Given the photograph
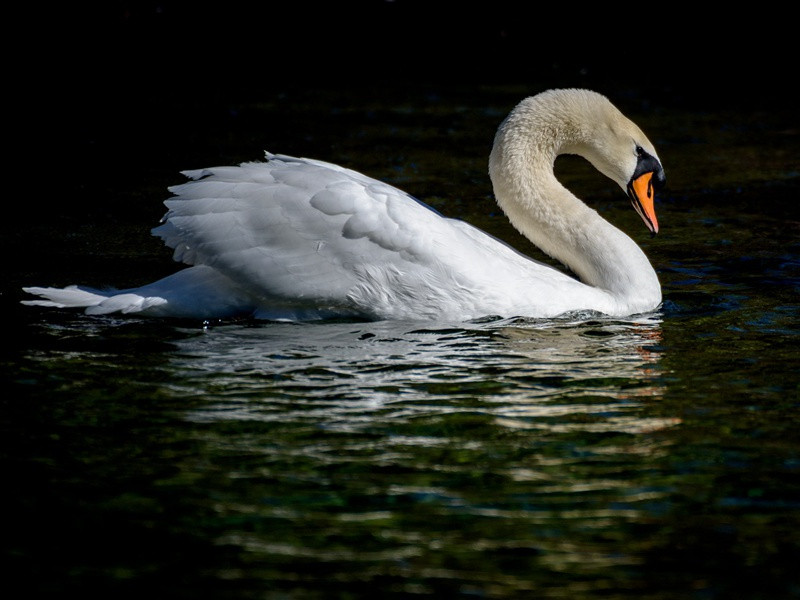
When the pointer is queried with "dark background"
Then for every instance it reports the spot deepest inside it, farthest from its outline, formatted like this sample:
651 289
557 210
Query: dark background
734 57
96 88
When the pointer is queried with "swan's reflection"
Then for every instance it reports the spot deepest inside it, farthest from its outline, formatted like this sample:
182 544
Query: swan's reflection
590 375
401 430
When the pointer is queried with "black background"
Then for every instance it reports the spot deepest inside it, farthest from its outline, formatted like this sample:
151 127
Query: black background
126 52
93 85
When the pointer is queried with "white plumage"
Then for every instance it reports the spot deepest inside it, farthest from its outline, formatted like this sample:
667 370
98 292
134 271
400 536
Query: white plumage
294 238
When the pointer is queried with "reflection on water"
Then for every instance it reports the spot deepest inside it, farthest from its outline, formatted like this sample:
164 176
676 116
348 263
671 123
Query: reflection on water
503 457
426 458
349 375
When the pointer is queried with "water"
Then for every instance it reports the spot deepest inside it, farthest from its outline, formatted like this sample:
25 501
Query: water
582 457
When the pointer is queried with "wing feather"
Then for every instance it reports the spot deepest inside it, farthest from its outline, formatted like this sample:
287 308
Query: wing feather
293 227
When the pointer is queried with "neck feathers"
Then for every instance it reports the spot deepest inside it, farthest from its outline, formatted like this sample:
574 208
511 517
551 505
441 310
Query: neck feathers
543 210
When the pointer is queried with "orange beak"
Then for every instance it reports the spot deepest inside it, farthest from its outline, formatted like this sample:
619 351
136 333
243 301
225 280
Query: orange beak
640 191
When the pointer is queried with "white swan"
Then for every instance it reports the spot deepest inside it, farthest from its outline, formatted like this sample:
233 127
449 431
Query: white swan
293 238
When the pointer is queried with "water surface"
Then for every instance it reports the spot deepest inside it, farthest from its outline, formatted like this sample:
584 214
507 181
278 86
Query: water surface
583 457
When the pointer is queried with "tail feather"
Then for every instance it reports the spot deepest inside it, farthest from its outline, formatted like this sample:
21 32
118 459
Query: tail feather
94 301
68 297
195 292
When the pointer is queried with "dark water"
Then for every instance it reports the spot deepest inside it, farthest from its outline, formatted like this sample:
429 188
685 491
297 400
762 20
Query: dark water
649 458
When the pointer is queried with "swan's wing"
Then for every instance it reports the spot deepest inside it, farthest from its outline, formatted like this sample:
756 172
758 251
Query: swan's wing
302 229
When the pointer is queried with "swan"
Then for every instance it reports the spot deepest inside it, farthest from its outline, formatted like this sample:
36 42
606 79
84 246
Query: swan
299 239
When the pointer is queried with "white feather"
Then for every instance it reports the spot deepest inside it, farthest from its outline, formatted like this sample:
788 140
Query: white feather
301 238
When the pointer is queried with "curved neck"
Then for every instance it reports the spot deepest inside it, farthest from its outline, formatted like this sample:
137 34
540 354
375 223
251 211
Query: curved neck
549 215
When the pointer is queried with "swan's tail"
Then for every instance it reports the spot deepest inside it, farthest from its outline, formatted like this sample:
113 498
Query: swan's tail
68 297
195 292
95 302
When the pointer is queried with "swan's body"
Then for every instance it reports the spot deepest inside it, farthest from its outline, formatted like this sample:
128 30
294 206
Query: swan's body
293 238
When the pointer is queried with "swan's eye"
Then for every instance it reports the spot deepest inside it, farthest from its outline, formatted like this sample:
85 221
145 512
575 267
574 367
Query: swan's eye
640 151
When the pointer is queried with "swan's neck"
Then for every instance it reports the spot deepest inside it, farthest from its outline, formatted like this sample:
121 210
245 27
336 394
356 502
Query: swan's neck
521 168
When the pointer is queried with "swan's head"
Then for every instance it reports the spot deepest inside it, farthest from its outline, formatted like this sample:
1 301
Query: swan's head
620 150
582 122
